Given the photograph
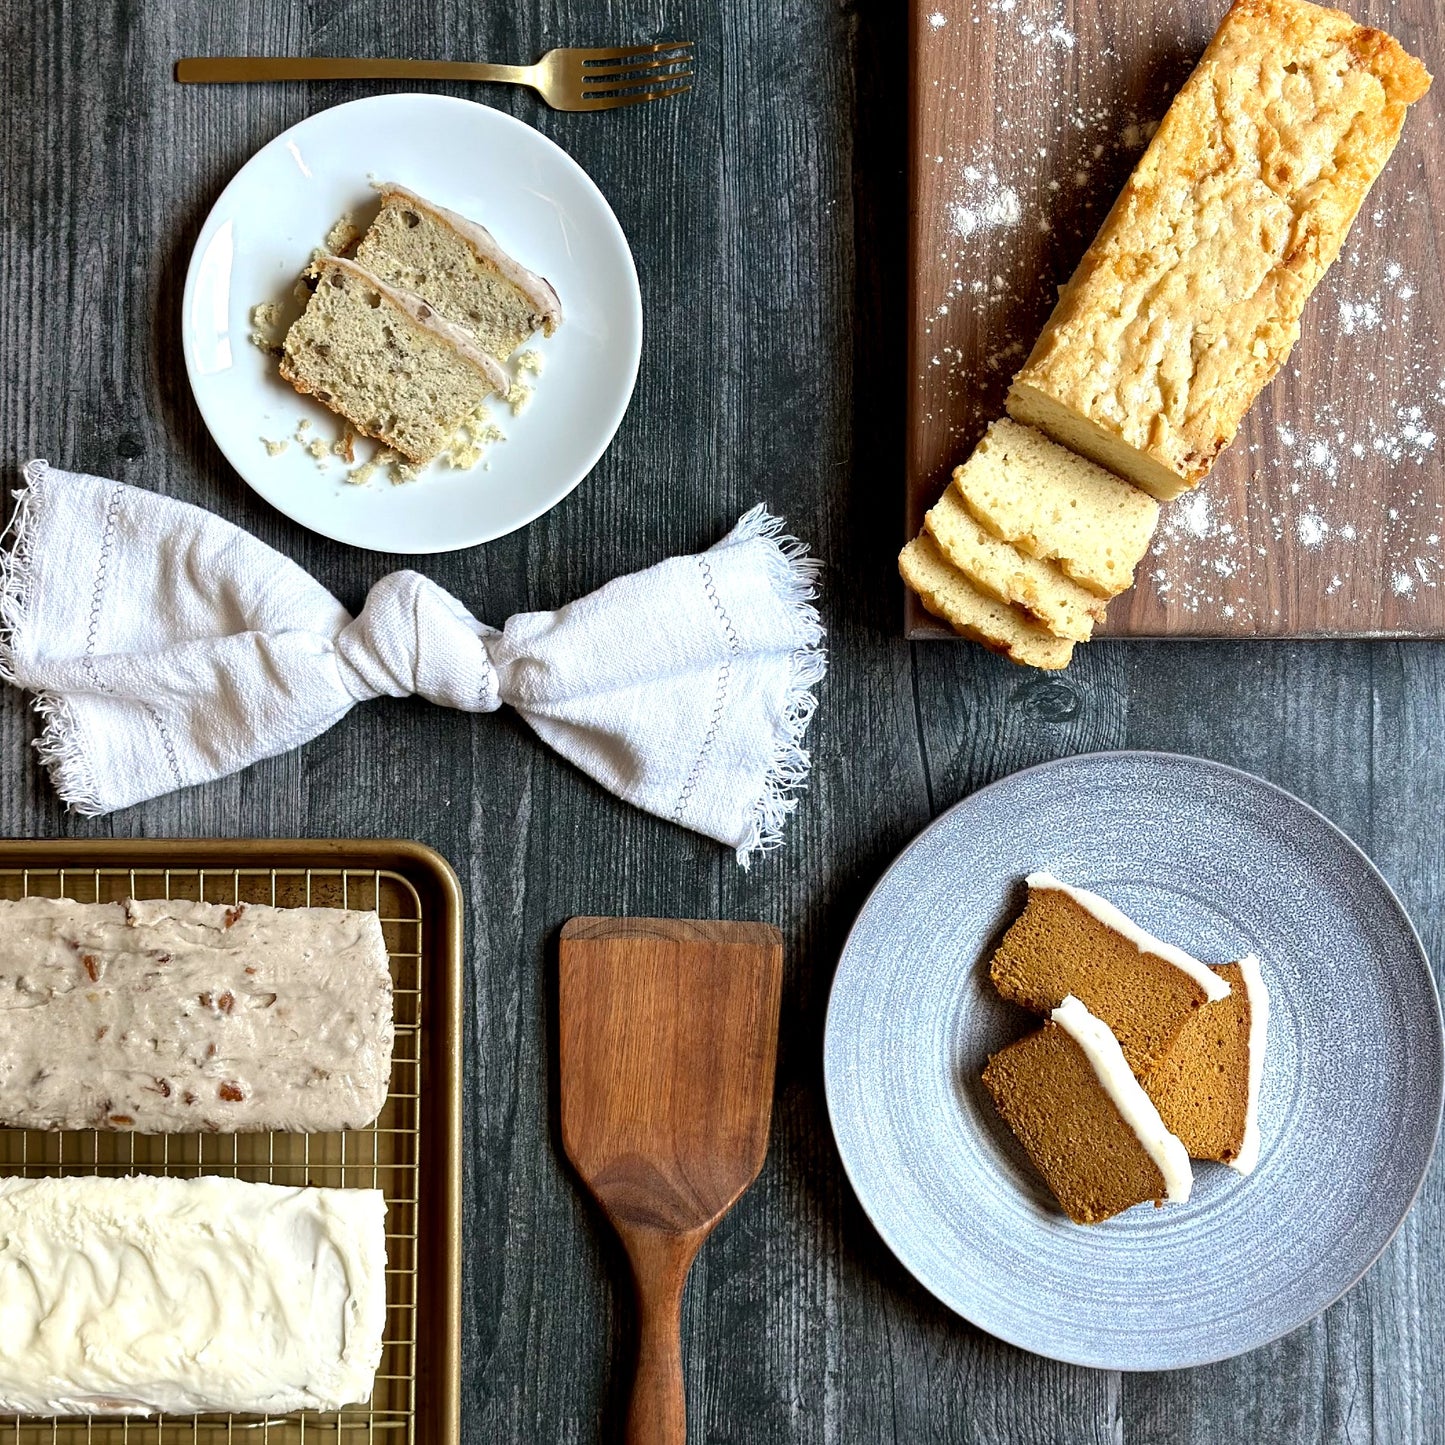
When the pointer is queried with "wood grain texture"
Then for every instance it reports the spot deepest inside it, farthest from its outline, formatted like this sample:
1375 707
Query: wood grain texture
1325 517
766 211
668 1037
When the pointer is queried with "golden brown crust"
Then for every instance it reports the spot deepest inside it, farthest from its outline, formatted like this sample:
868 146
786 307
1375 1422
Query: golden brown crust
1188 301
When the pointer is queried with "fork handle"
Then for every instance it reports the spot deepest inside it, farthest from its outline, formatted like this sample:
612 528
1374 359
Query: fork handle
233 68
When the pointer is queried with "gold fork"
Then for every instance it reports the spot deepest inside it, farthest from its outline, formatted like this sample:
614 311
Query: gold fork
567 79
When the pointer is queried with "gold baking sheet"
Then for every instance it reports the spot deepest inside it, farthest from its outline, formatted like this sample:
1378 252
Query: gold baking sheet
411 1152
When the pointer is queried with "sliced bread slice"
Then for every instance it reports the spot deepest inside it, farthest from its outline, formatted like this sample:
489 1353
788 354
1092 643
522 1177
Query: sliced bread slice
1090 1130
1206 1087
460 269
948 594
385 361
1071 941
1001 571
1058 507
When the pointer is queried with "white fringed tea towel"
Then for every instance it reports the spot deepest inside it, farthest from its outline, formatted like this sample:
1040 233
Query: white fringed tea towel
167 647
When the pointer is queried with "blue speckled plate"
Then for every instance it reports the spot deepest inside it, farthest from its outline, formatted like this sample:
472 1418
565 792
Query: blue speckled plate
1221 863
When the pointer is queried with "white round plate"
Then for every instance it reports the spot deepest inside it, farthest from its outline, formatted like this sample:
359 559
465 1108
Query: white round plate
541 206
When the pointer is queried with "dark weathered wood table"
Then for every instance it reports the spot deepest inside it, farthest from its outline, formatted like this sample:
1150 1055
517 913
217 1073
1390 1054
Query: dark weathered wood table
766 211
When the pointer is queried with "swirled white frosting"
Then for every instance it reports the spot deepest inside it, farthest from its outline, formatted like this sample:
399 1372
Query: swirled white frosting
136 1295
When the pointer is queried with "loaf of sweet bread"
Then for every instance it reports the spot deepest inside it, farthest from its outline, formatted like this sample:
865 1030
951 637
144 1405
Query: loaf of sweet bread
175 1017
1189 299
136 1295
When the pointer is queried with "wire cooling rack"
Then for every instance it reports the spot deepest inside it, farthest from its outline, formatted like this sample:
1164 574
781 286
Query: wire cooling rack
386 1156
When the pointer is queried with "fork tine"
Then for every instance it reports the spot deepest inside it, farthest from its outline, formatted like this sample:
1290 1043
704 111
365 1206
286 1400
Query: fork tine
626 52
642 62
624 79
614 102
634 87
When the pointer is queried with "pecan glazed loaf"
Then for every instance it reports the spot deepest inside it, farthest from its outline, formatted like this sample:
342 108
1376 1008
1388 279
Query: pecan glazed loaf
176 1017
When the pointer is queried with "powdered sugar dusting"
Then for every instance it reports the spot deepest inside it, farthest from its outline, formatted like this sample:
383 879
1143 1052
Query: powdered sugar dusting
983 203
1359 484
1014 187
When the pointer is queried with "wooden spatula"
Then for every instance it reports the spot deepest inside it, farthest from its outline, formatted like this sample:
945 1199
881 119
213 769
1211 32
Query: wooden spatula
669 1033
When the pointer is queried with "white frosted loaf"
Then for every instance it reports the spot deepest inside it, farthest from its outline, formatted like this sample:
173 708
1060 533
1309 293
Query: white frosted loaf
136 1295
174 1017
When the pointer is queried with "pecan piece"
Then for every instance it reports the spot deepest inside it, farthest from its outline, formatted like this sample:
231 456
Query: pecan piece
232 1093
232 914
91 964
121 1120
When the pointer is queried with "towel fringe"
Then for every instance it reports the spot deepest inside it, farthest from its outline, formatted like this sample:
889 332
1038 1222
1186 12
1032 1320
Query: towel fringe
17 552
64 757
793 574
58 745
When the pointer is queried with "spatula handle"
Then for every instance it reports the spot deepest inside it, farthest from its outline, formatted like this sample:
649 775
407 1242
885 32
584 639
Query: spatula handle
657 1413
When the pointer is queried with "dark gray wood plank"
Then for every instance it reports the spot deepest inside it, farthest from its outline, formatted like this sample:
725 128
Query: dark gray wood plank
766 212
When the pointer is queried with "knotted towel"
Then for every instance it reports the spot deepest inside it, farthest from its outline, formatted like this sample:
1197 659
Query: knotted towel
167 647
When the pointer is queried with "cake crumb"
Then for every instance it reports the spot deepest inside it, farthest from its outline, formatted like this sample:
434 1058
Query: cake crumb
530 361
518 397
302 427
274 449
472 439
345 446
265 321
382 460
343 234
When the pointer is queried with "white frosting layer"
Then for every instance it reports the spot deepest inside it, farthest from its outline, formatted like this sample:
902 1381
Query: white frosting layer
133 1295
537 289
1214 987
1258 996
429 320
1102 1049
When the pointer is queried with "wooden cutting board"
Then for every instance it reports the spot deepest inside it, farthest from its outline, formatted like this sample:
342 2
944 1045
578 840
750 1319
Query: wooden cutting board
1326 516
